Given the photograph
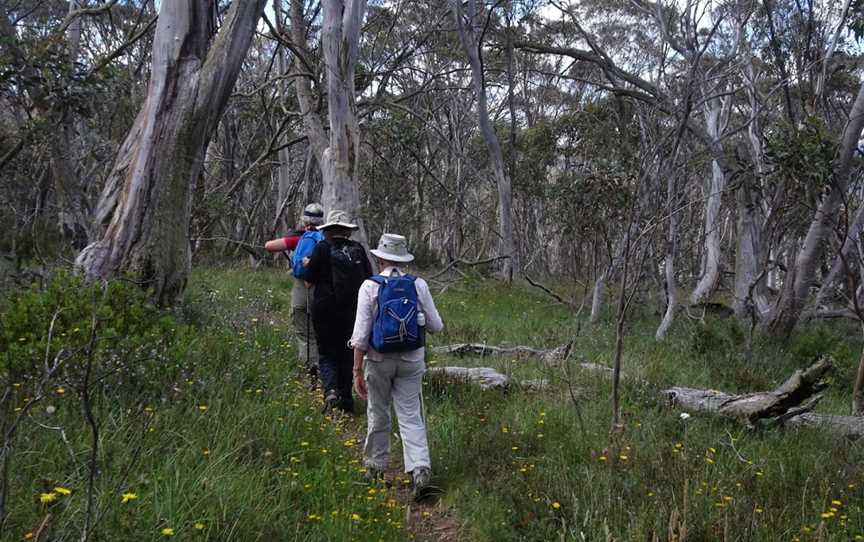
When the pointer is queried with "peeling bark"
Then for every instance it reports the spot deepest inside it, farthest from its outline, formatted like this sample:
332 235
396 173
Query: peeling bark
147 201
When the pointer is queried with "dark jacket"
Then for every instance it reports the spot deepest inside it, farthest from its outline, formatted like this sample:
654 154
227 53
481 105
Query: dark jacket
336 285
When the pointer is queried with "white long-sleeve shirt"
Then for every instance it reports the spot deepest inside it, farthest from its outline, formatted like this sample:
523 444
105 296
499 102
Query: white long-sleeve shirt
367 310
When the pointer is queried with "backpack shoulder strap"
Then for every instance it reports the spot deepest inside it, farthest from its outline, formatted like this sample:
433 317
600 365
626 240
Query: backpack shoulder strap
378 279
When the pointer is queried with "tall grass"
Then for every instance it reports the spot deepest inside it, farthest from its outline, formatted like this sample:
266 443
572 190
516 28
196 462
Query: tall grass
223 441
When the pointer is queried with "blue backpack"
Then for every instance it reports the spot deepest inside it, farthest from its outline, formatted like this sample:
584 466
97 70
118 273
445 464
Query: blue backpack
396 328
304 249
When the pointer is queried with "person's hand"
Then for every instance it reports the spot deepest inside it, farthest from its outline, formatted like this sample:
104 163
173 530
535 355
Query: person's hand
306 262
360 385
307 283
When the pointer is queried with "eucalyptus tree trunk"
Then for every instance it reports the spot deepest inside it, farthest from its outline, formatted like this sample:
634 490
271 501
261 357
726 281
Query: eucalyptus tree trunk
749 255
340 40
845 258
598 292
67 183
716 118
338 152
147 200
470 36
284 215
670 286
801 276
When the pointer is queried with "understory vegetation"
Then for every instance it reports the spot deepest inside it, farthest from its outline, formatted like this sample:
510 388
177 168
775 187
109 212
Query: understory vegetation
128 422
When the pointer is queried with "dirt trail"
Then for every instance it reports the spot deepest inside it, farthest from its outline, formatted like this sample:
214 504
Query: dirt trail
427 521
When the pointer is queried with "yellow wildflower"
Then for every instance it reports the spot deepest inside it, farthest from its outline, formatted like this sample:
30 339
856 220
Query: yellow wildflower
355 517
129 496
199 526
167 531
47 498
202 408
62 490
556 505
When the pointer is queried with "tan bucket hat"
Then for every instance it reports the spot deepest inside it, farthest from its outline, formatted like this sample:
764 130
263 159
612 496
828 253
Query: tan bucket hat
393 248
338 218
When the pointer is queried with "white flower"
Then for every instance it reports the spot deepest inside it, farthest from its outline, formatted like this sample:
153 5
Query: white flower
684 415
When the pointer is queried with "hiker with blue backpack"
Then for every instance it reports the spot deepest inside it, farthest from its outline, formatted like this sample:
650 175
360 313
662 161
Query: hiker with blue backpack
337 267
394 311
301 244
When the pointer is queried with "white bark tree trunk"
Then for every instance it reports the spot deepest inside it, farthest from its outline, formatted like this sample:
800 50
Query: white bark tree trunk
670 286
148 197
716 118
838 268
470 37
284 217
750 292
340 40
598 293
801 277
337 153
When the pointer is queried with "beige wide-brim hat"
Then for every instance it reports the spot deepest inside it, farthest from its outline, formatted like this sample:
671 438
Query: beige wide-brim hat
393 248
338 218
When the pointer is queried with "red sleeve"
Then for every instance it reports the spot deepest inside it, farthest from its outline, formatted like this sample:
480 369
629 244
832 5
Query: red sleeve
291 242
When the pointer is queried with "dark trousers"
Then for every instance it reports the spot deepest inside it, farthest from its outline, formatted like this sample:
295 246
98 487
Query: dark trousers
335 370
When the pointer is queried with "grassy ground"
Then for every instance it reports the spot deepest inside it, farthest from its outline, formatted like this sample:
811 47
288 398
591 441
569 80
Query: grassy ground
225 443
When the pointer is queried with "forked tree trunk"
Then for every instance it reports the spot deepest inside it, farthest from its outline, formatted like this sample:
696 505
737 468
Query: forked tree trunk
801 277
337 153
147 200
470 38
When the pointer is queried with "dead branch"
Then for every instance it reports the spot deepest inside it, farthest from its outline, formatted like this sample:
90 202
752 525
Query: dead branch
803 385
455 263
790 404
549 292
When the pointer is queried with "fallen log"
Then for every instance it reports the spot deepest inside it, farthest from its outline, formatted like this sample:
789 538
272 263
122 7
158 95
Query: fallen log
790 404
486 350
847 426
486 377
799 391
483 350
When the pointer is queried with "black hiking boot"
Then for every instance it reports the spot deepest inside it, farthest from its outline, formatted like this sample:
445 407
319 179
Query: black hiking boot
422 483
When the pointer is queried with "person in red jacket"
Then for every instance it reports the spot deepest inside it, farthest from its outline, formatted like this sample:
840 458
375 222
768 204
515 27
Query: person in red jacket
301 295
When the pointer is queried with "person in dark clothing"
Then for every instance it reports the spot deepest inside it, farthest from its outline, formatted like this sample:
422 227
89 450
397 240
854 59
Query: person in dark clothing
337 268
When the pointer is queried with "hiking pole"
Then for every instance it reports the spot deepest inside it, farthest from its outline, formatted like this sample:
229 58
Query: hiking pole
308 339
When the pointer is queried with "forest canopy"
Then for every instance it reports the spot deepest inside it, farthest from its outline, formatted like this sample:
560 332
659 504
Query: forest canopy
714 143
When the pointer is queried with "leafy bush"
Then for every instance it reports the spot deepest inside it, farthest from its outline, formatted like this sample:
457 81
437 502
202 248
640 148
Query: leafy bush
69 322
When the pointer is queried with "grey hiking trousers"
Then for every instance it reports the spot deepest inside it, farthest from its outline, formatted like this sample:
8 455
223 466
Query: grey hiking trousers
400 383
301 321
